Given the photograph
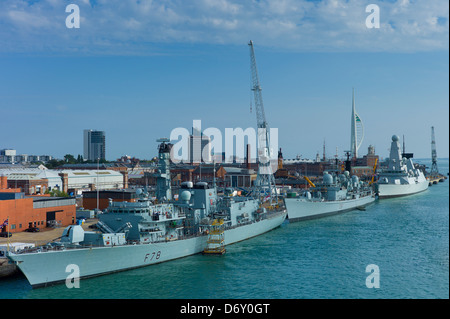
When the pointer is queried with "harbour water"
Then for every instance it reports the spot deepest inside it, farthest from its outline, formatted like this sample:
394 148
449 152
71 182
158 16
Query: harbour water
406 238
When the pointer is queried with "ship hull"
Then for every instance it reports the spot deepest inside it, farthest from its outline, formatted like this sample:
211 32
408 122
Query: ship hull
303 209
53 267
394 190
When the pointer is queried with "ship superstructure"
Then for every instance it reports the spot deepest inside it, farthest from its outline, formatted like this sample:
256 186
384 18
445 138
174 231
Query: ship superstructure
141 233
401 177
336 194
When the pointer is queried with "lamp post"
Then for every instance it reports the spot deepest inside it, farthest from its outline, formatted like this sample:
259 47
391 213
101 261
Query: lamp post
98 163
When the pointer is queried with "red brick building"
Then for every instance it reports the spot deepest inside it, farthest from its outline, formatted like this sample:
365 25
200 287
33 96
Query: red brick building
37 211
122 195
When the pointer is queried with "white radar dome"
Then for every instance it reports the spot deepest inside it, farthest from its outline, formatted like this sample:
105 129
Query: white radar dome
186 195
327 179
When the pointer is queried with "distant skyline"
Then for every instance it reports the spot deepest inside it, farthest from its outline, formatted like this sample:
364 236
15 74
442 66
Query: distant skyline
139 69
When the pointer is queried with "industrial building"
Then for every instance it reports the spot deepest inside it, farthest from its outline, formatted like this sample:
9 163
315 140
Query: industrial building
23 212
38 180
101 199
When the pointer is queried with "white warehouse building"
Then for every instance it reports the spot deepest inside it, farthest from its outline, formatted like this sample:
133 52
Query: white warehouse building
71 181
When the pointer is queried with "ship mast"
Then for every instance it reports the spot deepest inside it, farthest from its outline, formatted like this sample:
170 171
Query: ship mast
264 187
163 182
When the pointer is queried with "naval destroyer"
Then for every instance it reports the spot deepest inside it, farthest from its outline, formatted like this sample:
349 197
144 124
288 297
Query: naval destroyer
400 178
335 194
142 233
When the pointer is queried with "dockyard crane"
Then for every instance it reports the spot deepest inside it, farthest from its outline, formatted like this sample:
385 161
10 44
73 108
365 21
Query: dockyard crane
264 187
434 168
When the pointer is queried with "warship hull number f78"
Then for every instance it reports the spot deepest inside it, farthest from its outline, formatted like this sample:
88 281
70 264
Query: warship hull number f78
152 256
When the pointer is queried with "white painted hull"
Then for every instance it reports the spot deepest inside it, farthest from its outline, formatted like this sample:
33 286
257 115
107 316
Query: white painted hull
395 190
42 269
303 209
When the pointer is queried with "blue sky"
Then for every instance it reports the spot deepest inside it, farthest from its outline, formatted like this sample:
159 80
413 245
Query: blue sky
138 69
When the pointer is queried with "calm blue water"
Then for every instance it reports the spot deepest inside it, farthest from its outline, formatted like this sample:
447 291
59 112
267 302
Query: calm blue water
407 238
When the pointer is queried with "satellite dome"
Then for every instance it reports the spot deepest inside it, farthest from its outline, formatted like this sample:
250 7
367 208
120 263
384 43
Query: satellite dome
186 195
395 138
327 179
139 191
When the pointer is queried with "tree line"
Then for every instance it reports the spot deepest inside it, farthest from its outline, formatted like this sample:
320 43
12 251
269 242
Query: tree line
70 159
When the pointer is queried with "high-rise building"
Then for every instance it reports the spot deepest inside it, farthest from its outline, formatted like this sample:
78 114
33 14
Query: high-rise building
94 145
200 149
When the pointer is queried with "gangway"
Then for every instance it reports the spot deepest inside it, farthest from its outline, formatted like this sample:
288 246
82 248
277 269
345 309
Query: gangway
216 239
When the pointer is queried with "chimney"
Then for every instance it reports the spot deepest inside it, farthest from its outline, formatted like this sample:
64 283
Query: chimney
280 159
248 159
3 182
125 179
65 181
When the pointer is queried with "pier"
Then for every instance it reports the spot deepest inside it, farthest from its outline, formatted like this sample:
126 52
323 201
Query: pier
436 179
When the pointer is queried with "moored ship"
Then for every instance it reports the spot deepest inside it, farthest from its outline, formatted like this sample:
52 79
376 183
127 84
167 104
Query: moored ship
336 194
401 177
143 233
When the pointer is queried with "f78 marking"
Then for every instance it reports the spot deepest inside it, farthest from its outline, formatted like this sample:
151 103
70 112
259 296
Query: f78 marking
152 256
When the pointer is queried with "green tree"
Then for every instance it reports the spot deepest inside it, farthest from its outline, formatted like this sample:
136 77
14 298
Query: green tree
80 159
56 193
69 159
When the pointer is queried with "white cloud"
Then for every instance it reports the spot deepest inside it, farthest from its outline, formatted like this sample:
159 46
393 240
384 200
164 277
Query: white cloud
335 25
25 19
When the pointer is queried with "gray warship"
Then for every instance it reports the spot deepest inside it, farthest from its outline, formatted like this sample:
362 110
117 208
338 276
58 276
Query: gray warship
336 194
143 233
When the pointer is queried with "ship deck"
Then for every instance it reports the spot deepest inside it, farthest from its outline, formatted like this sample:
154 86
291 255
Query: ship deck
44 236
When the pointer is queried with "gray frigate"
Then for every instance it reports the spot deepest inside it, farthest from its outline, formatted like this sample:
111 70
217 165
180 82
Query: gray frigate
145 232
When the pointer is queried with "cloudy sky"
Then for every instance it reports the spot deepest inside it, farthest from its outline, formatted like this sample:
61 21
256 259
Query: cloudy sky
137 69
